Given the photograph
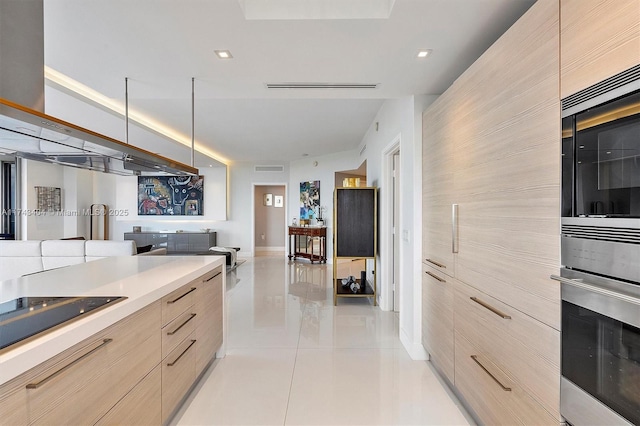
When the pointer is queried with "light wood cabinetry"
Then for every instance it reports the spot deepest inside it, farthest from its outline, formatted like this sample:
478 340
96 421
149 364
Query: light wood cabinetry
519 345
209 320
136 371
83 383
438 195
493 394
141 406
437 319
599 38
191 336
178 374
491 147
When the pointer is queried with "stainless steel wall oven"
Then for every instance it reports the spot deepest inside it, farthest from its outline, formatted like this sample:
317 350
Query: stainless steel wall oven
600 253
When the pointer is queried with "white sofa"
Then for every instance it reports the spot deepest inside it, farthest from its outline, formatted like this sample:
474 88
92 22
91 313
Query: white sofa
18 258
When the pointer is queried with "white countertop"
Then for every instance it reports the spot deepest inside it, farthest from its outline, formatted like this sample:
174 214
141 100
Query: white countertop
142 279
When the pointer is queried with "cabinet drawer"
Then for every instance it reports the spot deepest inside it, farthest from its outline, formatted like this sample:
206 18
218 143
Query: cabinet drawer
494 396
141 406
209 323
526 349
437 319
178 374
80 385
177 330
177 302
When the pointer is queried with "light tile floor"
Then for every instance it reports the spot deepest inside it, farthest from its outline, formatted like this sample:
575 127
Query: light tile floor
295 359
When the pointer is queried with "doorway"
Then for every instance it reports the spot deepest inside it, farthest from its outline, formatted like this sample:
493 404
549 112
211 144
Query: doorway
391 226
269 219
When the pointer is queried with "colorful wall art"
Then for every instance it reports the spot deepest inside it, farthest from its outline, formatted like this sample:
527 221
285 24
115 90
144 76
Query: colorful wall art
309 199
170 195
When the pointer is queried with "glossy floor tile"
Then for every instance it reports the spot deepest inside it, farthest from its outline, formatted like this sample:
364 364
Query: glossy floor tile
295 359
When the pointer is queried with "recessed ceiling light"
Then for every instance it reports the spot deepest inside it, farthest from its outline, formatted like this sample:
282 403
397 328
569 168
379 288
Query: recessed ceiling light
223 54
424 53
305 155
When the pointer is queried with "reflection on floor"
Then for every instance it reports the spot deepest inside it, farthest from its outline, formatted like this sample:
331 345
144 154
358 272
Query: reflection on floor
293 358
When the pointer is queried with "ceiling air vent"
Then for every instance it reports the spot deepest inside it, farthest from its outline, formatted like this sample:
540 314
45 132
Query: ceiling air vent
269 169
322 85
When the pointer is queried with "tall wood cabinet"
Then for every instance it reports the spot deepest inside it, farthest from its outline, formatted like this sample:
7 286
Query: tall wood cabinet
355 218
600 38
491 206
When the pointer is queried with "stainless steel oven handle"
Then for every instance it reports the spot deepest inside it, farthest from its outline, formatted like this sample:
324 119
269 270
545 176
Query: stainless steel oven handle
595 289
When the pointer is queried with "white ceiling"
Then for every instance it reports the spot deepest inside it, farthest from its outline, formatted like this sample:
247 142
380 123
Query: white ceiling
161 44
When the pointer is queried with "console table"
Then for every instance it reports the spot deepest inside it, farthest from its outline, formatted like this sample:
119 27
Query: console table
175 242
298 233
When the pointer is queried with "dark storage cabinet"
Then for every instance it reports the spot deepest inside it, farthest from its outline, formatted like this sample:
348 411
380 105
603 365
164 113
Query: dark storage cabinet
355 236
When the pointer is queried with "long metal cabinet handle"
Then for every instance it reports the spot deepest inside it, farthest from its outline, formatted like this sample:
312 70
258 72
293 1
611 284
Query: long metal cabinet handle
489 307
209 279
504 388
171 364
454 228
594 289
104 343
435 276
436 263
171 333
180 297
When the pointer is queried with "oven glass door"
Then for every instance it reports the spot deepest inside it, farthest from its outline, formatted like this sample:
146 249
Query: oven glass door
602 147
601 355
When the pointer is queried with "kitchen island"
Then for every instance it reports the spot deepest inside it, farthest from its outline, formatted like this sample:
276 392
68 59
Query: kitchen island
146 350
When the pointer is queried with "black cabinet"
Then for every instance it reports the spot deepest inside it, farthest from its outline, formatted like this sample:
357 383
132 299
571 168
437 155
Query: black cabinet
175 242
355 237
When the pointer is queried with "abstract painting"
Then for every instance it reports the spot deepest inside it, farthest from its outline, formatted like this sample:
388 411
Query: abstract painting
170 195
309 199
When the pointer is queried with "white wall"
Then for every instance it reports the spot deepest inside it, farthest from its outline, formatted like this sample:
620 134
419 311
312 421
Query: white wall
41 226
401 118
304 170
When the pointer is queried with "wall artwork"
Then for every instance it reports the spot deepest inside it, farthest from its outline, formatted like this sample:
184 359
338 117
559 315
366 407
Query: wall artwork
309 199
278 201
268 199
48 199
170 195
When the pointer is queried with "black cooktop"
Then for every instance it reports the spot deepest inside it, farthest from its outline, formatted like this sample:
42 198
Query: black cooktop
28 316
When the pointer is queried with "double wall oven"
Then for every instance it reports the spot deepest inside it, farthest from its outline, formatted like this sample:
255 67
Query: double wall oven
600 278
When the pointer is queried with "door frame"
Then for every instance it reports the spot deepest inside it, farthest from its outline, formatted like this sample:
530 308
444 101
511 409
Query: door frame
285 206
386 226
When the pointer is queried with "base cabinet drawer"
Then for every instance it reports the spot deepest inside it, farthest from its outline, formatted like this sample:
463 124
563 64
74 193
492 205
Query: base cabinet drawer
494 396
178 374
176 302
141 406
80 385
437 319
524 348
209 321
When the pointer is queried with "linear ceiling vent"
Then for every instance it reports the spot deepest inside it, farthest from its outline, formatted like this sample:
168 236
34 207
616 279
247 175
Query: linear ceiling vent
322 85
269 169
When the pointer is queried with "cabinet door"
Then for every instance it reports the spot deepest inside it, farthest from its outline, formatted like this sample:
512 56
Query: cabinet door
437 319
80 385
13 403
599 39
438 130
355 227
178 374
209 320
507 178
493 394
141 406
